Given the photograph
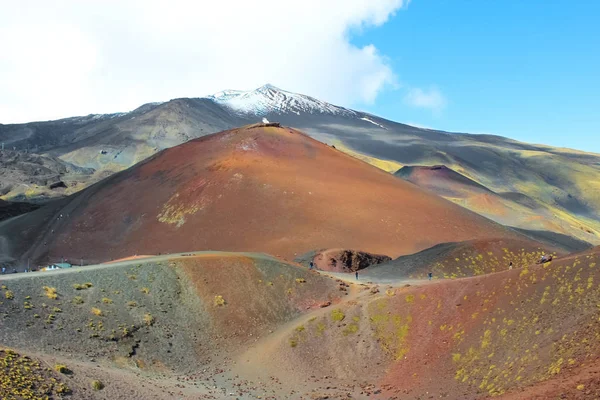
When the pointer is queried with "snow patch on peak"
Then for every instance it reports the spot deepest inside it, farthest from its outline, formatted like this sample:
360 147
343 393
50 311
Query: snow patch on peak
373 122
270 99
267 87
225 95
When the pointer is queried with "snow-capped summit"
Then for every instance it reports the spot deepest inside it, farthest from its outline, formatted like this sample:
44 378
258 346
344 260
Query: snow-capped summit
270 99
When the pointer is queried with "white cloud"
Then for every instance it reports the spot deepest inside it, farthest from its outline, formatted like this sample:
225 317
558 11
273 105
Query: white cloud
70 57
430 98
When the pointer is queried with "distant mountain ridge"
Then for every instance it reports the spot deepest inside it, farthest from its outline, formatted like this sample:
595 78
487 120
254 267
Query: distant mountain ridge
566 181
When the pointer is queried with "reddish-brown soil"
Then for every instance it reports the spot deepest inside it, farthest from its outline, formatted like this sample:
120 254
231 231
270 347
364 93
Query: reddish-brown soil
577 384
267 189
523 333
499 333
257 294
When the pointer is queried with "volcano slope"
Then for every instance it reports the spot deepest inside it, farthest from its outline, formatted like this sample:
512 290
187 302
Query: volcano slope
172 316
567 182
207 325
507 208
530 332
459 260
11 209
257 188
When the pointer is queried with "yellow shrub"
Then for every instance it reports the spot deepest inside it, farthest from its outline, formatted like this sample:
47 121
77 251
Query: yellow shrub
61 368
97 311
149 320
219 301
50 292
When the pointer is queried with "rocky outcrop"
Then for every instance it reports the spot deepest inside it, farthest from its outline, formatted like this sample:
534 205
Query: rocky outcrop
340 260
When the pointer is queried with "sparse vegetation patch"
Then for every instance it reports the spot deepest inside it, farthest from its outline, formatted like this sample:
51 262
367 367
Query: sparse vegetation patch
24 378
337 315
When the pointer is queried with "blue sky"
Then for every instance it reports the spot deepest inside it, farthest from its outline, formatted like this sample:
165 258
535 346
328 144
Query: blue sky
528 70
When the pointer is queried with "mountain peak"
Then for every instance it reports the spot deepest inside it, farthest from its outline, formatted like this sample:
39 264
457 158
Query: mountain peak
268 86
269 99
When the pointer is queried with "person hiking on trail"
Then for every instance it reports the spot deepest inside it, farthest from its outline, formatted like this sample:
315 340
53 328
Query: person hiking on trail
311 265
356 274
510 265
430 275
